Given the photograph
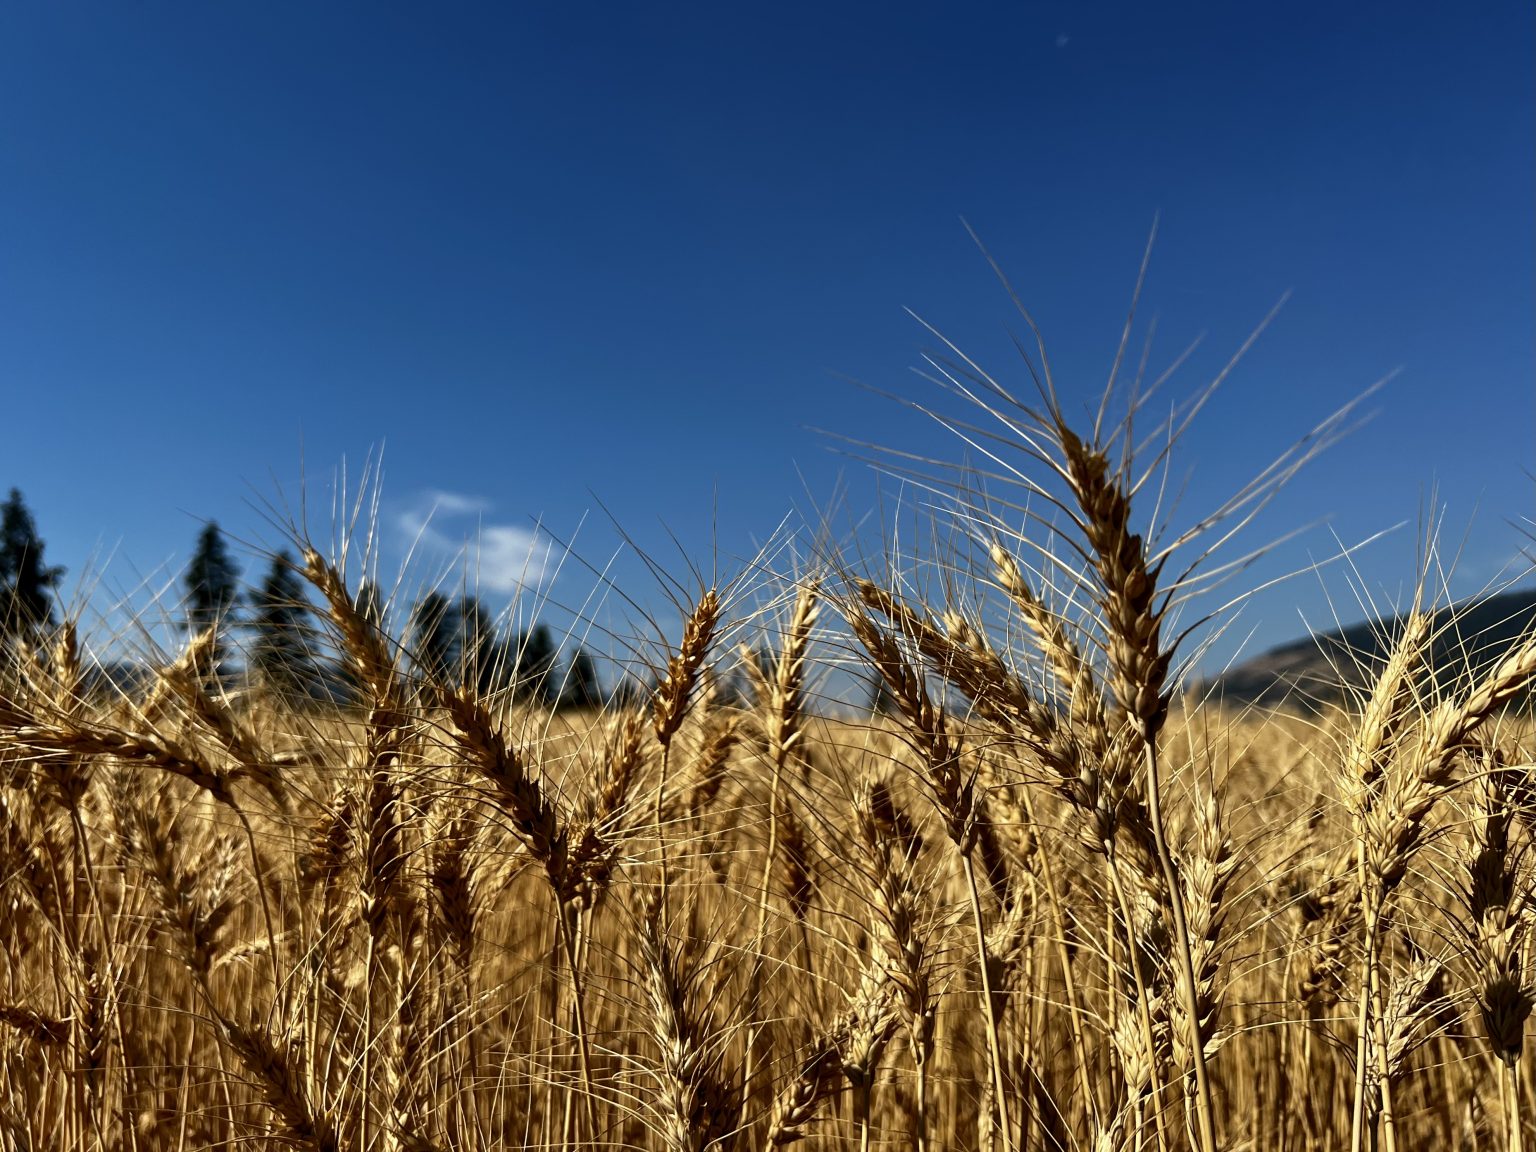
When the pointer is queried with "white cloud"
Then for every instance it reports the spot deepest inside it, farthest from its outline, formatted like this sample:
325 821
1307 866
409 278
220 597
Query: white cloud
455 503
502 558
1062 40
508 559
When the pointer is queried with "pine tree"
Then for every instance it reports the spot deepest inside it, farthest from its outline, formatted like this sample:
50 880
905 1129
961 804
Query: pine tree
581 688
534 664
434 634
370 605
634 689
280 653
212 582
26 584
478 648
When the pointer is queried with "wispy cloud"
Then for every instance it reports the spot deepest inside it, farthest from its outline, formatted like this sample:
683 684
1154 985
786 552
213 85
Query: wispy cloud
503 558
454 503
1062 40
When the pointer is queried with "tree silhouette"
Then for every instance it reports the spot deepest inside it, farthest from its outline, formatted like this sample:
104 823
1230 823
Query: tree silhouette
26 583
635 688
581 688
212 583
434 634
533 666
370 605
280 653
479 652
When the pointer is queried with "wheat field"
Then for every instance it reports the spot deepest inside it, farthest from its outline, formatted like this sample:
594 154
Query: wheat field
1043 898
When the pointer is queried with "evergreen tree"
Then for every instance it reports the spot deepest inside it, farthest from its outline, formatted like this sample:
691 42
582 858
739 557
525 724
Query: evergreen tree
581 688
212 582
26 584
478 648
498 665
369 603
634 690
280 654
533 666
434 634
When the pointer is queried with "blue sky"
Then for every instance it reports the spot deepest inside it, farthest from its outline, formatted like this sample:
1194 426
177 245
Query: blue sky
561 258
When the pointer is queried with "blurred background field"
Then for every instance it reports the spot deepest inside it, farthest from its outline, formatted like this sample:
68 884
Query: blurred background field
497 650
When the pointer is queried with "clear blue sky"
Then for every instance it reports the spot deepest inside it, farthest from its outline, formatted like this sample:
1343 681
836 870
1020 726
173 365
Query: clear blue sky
550 254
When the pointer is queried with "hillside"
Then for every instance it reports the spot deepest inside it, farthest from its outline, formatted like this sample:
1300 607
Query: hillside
1320 669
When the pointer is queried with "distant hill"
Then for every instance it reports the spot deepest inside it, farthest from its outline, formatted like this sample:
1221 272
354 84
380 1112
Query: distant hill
1320 669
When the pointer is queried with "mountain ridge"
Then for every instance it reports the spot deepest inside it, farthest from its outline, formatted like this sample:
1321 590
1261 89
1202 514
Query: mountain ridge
1327 667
